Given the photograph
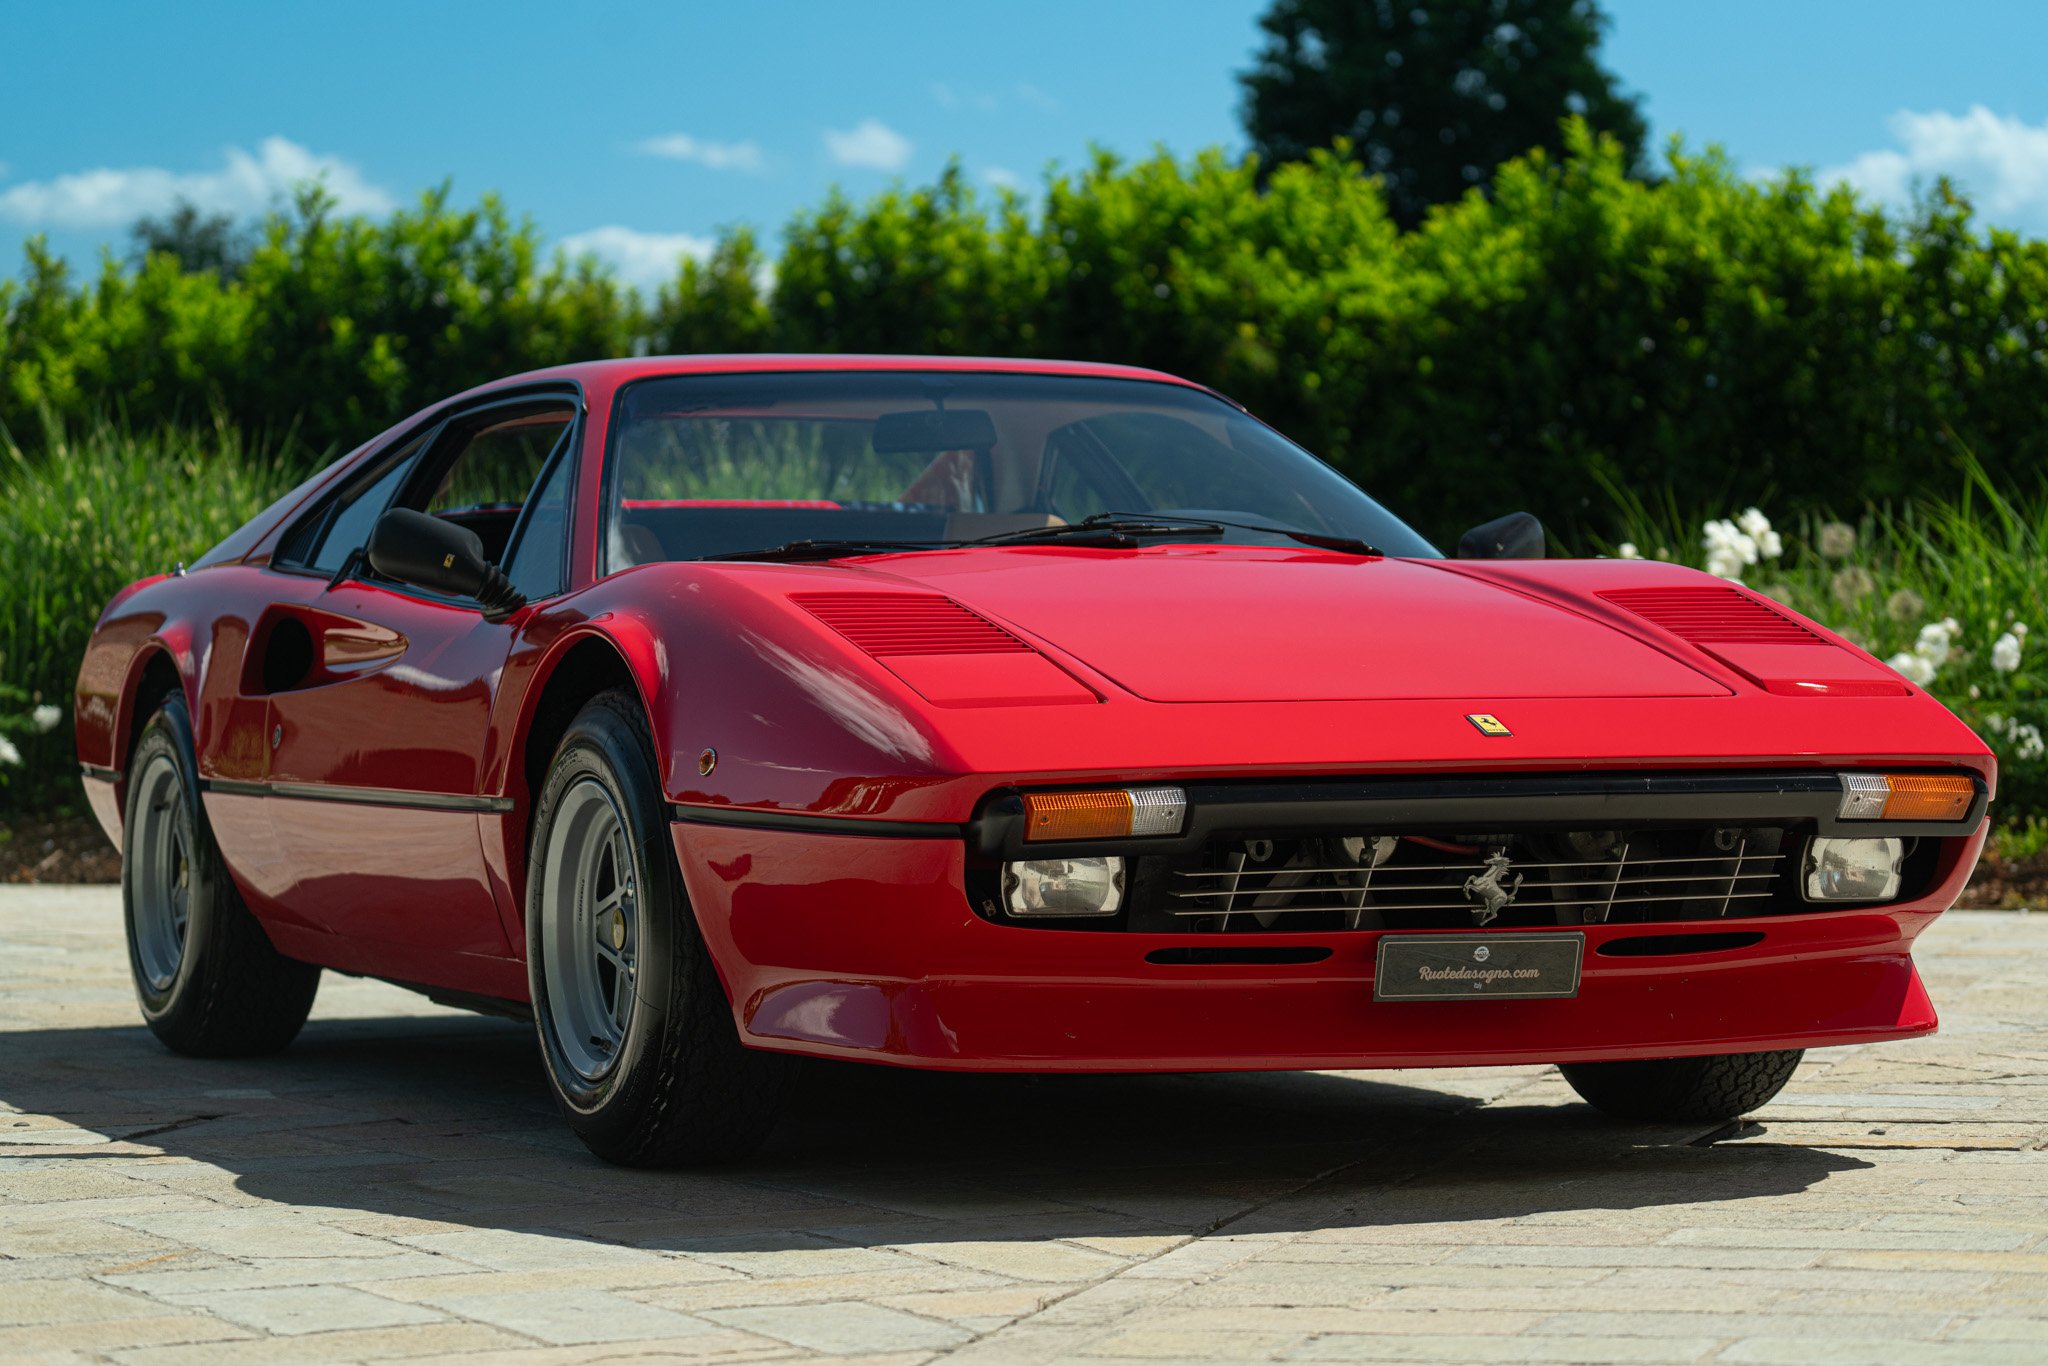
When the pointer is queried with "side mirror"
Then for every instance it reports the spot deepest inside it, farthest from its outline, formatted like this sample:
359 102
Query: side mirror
441 557
1517 536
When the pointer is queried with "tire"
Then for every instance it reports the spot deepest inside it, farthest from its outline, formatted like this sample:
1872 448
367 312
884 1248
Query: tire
209 981
636 1033
1721 1087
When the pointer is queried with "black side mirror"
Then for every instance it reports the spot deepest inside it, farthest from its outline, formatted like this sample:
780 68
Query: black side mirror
441 557
1517 536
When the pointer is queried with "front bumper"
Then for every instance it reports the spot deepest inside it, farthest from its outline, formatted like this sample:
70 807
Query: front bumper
865 947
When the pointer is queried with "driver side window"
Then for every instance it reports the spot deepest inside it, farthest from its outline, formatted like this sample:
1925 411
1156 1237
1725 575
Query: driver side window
343 526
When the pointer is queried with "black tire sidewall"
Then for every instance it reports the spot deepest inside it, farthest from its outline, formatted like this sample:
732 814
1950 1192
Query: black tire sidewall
169 732
604 745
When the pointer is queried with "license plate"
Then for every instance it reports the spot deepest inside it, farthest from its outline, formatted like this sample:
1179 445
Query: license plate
1466 967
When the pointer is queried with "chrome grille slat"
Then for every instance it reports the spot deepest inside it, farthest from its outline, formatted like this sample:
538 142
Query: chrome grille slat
1395 887
1466 905
1468 867
1630 877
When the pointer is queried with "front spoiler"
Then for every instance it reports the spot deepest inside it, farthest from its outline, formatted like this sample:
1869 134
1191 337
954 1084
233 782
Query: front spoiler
852 947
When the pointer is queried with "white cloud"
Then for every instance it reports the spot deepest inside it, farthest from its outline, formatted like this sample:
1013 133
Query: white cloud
646 260
869 143
1002 177
719 156
2000 162
1036 98
247 184
950 98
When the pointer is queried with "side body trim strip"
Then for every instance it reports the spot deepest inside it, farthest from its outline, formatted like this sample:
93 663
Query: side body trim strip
361 796
814 824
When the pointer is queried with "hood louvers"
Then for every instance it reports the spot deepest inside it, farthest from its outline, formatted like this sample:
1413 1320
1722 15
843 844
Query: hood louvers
1712 616
1772 648
951 654
892 624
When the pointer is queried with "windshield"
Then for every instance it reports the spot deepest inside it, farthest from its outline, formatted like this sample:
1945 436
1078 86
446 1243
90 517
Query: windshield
705 465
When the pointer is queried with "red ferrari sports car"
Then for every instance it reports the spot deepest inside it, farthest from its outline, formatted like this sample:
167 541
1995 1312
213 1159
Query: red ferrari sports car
993 715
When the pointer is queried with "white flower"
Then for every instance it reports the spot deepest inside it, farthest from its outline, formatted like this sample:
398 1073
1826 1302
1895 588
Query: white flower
2019 629
1914 668
1757 527
1995 723
8 753
2005 653
1934 641
2027 744
1729 548
1627 551
46 718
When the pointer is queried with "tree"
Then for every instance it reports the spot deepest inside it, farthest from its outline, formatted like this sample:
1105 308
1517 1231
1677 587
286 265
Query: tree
199 241
1431 94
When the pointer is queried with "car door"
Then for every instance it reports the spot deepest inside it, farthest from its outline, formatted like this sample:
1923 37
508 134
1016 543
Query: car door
380 694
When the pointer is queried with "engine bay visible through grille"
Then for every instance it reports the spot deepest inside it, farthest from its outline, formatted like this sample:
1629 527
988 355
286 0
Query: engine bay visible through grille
1465 879
1458 880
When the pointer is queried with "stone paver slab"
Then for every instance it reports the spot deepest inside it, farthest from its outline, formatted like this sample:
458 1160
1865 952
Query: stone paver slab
399 1185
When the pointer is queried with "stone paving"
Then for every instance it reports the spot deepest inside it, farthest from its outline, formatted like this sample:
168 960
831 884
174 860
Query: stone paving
397 1186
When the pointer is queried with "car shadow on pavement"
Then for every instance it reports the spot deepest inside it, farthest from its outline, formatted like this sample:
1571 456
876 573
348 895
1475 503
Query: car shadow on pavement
447 1119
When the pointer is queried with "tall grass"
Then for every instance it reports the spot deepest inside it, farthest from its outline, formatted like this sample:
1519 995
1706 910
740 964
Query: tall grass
1977 556
92 510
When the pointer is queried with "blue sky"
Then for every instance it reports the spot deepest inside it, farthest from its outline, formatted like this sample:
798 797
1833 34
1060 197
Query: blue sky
639 130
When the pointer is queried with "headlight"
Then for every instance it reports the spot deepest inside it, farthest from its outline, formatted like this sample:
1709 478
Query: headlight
1063 886
1853 870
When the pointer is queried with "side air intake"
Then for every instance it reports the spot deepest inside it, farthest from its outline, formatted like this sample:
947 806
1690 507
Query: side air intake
895 624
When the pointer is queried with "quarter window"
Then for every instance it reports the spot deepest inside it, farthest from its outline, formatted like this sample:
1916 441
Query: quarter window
346 527
535 567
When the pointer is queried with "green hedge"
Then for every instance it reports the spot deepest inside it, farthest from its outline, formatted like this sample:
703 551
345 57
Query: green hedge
89 513
1721 336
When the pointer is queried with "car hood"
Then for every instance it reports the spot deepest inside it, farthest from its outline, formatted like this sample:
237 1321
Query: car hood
1252 624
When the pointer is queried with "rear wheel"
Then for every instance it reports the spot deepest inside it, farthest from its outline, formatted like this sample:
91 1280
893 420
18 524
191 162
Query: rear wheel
635 1029
1723 1086
209 982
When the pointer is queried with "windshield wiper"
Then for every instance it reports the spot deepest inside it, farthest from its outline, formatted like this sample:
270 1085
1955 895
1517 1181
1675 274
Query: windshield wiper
1117 529
1323 540
825 550
1110 530
1123 529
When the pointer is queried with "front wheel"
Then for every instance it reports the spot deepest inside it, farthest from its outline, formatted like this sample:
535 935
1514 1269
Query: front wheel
635 1029
1720 1087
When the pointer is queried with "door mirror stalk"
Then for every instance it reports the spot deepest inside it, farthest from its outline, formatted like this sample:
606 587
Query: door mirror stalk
441 557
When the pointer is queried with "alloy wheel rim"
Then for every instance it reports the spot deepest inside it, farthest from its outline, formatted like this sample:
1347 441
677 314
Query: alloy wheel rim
161 886
591 930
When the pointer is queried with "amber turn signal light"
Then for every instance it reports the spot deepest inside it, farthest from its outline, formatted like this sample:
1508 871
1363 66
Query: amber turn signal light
1906 796
1114 813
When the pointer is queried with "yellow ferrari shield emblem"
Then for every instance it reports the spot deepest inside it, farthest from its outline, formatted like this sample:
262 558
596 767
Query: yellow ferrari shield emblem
1488 724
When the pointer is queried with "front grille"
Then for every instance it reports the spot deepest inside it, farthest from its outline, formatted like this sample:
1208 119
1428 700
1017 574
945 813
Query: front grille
1424 881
